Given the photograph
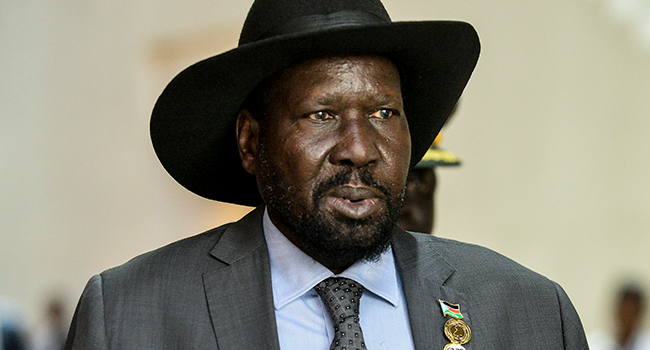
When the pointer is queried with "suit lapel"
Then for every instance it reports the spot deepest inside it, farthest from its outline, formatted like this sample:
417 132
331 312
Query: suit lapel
424 273
238 290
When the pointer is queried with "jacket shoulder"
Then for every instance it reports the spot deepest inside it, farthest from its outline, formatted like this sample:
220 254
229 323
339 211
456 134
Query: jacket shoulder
503 294
480 265
120 306
180 255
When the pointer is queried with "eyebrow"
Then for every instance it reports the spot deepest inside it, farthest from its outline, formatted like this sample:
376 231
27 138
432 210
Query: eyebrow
378 99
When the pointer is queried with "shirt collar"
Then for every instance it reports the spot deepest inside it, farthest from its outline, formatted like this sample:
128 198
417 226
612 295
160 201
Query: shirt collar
294 273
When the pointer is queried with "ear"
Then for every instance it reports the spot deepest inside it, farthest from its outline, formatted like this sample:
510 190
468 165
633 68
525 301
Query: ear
248 130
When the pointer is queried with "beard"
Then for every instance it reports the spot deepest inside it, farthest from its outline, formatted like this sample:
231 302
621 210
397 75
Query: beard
332 240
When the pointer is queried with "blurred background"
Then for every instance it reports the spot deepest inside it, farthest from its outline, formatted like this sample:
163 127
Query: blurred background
553 131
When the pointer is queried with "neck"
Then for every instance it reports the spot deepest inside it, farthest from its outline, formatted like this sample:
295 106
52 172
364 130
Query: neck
335 268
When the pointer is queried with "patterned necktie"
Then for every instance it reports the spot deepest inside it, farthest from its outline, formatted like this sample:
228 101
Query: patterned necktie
341 297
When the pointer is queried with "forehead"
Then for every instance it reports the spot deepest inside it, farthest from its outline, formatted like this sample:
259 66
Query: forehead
339 70
341 63
352 73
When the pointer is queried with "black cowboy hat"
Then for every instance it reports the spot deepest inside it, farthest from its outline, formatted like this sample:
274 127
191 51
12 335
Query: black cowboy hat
193 122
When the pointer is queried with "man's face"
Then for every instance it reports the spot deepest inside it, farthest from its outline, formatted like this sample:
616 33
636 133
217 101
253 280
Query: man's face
331 156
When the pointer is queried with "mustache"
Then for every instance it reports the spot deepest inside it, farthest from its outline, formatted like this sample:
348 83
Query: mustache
343 177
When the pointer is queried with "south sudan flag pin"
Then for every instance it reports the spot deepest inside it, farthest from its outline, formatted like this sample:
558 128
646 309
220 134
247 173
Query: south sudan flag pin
449 309
456 330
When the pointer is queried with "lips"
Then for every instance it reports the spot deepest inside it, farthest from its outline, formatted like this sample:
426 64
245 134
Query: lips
355 202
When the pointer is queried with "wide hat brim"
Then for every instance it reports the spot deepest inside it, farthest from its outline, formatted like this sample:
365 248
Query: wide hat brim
193 121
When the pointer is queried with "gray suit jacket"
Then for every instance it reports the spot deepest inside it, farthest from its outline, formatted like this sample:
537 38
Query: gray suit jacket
213 291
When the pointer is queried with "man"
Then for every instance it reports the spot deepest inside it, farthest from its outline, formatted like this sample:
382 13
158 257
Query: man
52 334
12 332
418 211
315 118
628 311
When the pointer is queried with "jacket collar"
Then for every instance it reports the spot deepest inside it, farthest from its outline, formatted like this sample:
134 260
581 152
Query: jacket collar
425 278
238 290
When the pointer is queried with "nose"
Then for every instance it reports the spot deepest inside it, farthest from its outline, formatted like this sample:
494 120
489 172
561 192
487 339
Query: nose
357 144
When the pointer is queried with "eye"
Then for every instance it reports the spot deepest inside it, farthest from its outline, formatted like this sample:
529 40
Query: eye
321 115
383 113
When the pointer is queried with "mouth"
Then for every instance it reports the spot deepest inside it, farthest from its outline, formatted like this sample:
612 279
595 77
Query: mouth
354 202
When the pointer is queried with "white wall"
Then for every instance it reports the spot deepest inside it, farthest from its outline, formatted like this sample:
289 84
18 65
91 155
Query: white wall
552 132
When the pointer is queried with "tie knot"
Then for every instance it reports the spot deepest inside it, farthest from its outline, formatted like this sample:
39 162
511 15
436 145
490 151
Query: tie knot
341 297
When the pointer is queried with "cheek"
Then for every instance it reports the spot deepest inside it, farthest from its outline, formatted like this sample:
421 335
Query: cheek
309 147
398 156
304 159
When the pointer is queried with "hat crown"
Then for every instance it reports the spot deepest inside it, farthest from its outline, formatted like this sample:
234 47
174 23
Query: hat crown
270 18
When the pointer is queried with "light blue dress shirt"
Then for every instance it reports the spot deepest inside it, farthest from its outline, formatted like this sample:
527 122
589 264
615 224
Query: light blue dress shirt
302 320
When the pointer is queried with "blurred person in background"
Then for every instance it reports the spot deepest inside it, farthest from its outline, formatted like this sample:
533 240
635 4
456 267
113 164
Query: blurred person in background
12 331
53 333
628 333
418 212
